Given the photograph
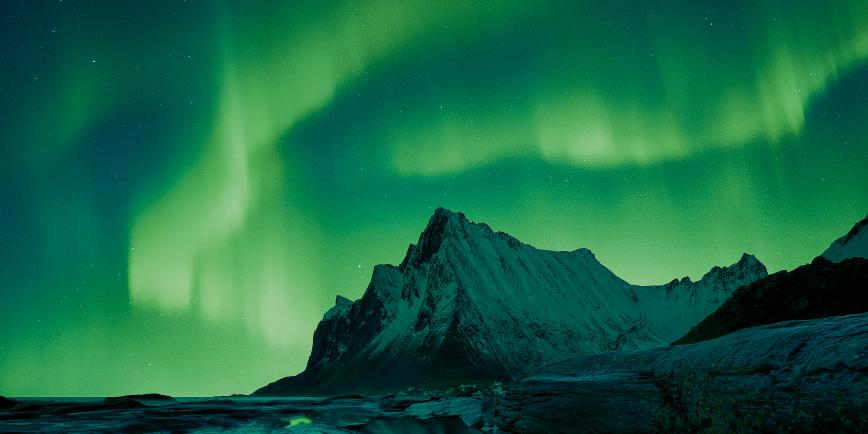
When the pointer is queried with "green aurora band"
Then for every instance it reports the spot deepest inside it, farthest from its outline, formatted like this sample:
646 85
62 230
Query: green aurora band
187 185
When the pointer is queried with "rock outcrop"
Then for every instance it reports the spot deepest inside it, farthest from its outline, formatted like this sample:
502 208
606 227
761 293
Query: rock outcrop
144 399
797 376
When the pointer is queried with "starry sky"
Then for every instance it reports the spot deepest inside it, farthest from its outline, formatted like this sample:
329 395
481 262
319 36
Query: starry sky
186 185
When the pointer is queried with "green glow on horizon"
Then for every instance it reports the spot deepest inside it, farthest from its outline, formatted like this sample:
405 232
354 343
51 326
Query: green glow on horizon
182 201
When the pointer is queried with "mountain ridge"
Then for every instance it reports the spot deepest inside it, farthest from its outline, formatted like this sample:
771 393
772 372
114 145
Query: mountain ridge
468 303
853 244
820 289
831 285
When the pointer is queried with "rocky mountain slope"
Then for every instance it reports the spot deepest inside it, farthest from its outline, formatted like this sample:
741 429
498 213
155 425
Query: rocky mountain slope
852 245
798 376
819 289
833 284
468 304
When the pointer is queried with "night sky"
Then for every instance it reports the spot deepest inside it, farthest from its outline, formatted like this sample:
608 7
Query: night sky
185 186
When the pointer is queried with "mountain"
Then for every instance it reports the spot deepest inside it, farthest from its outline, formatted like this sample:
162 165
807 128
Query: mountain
468 304
819 289
852 245
795 376
833 284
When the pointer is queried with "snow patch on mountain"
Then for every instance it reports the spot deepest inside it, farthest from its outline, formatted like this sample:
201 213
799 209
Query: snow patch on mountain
852 245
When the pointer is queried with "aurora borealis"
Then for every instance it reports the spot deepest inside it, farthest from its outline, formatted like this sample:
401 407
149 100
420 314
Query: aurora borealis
187 185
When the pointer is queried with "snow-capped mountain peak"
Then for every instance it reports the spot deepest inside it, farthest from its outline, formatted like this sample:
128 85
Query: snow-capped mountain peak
733 276
471 304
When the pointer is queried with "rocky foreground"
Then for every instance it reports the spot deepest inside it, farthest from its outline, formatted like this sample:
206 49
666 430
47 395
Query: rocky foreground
797 376
342 414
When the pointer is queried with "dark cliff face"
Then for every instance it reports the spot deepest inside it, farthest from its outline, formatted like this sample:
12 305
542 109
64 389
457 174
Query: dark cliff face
343 335
348 331
441 225
819 289
340 358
